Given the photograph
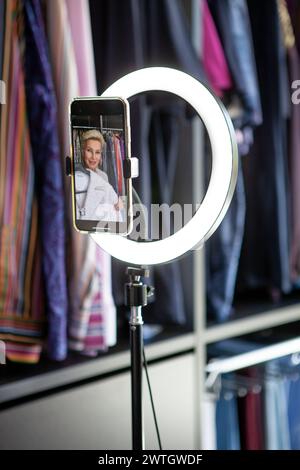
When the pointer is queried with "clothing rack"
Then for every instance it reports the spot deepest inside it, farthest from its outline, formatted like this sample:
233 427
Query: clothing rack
85 127
252 358
111 129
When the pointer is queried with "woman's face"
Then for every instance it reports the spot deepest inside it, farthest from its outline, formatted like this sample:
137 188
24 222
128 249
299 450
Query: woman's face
92 154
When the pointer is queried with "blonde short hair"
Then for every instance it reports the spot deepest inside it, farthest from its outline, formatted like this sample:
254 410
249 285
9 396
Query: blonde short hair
94 135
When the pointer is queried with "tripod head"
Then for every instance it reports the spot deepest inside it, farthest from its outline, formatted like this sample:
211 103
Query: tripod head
136 292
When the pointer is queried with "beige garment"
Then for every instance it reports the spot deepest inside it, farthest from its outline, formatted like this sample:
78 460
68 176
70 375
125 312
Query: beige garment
90 275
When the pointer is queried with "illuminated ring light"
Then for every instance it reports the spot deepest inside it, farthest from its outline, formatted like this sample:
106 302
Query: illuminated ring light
223 173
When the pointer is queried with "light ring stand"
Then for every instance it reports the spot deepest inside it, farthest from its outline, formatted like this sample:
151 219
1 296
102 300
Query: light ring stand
223 173
204 222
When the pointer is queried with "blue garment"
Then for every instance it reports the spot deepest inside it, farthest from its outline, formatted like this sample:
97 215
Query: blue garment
41 107
223 256
294 413
232 20
281 400
227 422
277 433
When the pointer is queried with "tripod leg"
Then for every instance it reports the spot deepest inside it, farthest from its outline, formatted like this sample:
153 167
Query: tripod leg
136 347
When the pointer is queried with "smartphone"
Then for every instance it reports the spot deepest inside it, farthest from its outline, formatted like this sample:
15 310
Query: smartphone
100 147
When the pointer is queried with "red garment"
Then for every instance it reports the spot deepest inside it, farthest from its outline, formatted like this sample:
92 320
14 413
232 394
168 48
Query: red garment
118 164
251 418
213 55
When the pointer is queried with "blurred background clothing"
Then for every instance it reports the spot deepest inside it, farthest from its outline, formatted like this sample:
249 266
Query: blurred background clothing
247 61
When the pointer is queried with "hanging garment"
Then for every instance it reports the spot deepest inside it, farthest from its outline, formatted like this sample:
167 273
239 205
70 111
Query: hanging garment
223 256
227 422
250 406
109 161
224 248
80 21
151 33
294 141
156 34
89 290
22 307
214 61
294 412
265 253
122 146
80 25
119 165
42 115
208 416
294 11
2 36
2 33
294 164
232 20
251 417
276 410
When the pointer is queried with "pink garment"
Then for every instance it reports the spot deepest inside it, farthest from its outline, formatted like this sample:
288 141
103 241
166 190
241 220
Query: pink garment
214 61
80 24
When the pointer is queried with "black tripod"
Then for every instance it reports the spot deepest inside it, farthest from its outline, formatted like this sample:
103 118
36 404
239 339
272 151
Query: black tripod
136 297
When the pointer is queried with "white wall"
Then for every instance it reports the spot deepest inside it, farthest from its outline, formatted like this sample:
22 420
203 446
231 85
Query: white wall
98 415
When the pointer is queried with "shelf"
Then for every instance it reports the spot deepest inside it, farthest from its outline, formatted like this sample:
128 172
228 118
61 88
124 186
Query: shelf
27 381
50 377
257 322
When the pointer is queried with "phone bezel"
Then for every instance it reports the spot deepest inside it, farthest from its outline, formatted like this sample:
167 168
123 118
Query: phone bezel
95 106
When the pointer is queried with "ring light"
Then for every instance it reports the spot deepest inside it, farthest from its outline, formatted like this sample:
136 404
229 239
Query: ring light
223 173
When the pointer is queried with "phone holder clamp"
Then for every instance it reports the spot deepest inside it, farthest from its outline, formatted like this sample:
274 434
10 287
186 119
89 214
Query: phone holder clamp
131 167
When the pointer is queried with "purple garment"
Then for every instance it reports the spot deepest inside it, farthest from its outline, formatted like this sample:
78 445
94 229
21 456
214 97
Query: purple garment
48 175
214 61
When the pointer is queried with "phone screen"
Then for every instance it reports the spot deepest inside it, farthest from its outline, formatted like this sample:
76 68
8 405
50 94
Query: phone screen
100 143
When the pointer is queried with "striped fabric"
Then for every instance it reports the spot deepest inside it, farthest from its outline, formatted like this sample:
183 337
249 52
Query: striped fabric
22 317
90 299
